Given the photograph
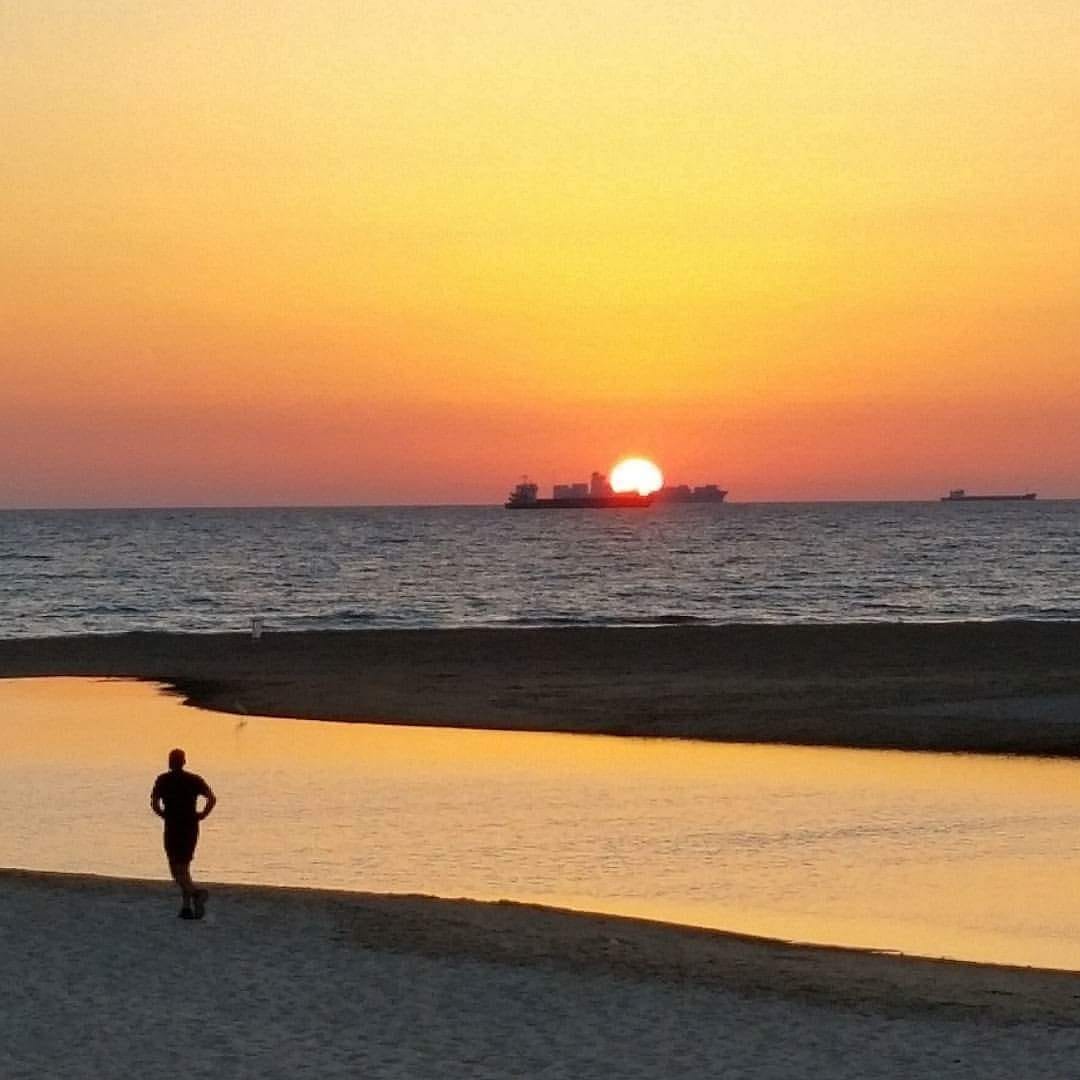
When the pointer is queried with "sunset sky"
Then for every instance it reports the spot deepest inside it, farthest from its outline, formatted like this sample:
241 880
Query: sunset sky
351 252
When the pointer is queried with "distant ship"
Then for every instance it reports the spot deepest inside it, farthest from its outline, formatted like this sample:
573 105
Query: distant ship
595 495
683 493
960 495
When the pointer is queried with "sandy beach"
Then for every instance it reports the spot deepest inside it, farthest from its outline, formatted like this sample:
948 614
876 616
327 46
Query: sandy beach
985 687
103 980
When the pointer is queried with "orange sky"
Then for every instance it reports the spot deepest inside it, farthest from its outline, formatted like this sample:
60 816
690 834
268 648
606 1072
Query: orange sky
353 252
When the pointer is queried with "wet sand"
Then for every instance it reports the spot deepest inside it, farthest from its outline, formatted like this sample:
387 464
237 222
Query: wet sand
983 687
300 983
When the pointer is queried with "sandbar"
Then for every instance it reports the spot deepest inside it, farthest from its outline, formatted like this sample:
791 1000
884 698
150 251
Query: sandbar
998 687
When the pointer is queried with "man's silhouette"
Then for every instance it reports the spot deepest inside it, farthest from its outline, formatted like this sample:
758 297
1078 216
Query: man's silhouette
174 797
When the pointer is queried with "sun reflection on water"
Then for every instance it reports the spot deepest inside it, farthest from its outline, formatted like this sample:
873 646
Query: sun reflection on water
970 857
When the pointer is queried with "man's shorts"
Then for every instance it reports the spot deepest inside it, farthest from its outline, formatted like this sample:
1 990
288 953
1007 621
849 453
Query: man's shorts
180 840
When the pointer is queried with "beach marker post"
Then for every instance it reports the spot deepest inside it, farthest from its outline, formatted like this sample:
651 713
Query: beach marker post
256 627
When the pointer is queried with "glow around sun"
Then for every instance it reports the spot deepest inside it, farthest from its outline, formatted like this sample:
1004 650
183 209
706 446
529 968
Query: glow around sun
636 474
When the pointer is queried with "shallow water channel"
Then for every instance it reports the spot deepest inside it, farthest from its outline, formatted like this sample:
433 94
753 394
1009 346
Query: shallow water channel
937 854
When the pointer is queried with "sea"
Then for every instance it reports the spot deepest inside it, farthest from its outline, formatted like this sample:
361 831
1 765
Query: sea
193 570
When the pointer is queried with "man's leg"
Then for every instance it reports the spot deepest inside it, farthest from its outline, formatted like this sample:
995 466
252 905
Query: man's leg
194 898
181 873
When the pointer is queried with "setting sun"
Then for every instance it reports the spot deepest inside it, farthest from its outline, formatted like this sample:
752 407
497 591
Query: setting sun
636 474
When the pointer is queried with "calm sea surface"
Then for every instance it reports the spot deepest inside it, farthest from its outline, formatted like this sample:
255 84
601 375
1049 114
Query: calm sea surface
937 854
68 572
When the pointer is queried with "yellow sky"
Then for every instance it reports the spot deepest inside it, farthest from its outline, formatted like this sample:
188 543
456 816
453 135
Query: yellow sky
368 252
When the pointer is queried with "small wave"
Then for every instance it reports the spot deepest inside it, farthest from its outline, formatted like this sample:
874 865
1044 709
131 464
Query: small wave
343 617
605 620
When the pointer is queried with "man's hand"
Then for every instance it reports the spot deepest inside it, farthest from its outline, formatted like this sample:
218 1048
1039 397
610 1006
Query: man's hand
157 806
211 802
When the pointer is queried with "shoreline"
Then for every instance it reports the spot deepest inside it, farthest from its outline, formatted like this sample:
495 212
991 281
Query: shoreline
522 935
964 687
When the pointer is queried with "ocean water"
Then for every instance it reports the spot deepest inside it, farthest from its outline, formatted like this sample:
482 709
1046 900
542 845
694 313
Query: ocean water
99 571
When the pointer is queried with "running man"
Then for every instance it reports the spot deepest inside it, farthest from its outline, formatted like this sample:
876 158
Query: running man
174 797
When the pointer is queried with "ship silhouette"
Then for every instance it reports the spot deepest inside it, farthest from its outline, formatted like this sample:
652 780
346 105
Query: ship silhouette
597 495
960 495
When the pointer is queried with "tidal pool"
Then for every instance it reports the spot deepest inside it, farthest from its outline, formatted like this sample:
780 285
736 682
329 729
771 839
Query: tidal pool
970 857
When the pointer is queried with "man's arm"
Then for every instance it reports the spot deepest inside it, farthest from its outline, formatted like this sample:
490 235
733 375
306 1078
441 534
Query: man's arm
156 804
211 802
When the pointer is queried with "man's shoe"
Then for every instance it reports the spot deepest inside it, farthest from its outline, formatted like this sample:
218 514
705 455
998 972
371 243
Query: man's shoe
201 897
186 913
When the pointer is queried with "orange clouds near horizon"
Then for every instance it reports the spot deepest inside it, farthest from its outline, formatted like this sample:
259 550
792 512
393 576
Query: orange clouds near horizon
393 253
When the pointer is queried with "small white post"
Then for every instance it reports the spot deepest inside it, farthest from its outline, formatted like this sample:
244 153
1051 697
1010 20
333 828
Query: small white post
256 627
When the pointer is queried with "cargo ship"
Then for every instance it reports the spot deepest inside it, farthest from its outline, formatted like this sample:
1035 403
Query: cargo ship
595 495
960 495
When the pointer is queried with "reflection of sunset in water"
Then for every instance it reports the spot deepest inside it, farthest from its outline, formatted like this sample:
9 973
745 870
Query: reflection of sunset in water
970 857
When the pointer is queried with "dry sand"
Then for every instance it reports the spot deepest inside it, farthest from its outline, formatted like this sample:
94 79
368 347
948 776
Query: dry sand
992 687
102 980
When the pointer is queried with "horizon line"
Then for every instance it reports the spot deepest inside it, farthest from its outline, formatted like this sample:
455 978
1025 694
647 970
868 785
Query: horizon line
119 508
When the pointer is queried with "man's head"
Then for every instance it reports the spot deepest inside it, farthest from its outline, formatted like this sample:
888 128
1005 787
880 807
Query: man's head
177 759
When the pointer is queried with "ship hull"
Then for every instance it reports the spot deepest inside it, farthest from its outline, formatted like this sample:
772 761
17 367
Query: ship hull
1026 497
603 502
